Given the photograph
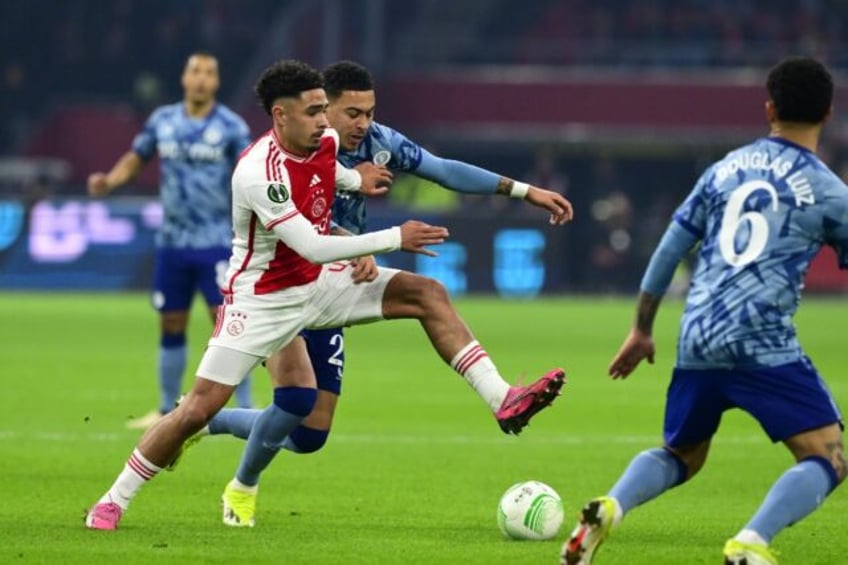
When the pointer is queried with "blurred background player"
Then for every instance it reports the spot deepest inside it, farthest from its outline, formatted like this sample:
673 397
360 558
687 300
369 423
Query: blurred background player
761 214
350 91
198 141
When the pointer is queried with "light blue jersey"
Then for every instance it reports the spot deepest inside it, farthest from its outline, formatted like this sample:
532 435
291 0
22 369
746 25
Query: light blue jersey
383 145
197 158
762 214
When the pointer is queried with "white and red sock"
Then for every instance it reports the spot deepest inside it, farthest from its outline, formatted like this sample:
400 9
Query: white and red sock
475 366
137 471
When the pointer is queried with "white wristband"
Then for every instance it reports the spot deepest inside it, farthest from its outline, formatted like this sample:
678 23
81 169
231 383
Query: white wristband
519 189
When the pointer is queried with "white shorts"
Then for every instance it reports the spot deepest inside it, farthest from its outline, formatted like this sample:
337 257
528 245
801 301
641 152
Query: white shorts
259 325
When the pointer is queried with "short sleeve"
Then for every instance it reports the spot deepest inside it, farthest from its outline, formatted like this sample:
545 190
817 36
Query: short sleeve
692 214
270 200
835 224
840 245
240 139
405 153
144 143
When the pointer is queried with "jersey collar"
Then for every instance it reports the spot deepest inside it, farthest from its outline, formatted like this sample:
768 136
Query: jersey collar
788 143
289 154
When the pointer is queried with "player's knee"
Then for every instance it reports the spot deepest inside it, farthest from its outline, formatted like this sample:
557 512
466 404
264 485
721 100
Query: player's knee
837 460
173 323
693 467
295 400
308 440
172 340
835 470
430 292
687 461
840 473
191 417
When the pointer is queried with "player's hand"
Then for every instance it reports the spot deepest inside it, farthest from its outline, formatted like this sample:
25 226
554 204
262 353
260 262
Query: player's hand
364 269
98 185
636 347
559 207
415 236
375 178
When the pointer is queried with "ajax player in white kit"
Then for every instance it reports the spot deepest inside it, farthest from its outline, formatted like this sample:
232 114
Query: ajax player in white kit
286 274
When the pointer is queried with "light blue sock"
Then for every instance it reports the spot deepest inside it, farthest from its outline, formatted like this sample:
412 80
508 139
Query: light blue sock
244 392
649 474
171 365
797 492
291 405
234 421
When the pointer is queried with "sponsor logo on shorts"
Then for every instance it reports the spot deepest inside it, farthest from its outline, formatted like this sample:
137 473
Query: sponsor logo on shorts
278 193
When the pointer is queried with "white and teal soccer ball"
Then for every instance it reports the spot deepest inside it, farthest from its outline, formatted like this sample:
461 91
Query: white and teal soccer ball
530 511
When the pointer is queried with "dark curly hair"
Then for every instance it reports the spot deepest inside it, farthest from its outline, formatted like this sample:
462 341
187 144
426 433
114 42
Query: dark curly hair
346 75
801 89
286 79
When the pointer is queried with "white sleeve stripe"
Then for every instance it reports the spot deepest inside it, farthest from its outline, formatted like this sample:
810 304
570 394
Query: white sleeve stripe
282 219
268 160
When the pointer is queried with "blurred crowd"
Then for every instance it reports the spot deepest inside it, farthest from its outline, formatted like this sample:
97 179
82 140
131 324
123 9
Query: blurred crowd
54 52
671 33
130 51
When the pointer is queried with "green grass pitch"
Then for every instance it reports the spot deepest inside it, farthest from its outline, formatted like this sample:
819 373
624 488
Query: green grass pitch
415 465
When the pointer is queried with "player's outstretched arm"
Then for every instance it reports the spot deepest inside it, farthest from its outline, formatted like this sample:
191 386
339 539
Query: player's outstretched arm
639 343
126 169
415 236
554 202
675 243
470 179
299 234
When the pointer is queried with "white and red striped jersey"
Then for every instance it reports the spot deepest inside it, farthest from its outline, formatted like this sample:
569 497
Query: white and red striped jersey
271 186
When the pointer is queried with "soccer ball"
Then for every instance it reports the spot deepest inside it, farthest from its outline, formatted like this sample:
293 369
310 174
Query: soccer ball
530 510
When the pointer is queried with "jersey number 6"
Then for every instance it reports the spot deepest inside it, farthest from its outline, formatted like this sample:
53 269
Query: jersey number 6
734 218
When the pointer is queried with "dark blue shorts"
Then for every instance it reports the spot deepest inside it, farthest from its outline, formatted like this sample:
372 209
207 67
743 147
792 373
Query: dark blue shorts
785 400
326 351
180 273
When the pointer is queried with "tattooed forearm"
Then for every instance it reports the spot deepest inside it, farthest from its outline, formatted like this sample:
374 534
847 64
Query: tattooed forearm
504 186
646 311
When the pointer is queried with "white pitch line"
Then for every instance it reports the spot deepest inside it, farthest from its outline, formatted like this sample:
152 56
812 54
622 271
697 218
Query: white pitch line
398 439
